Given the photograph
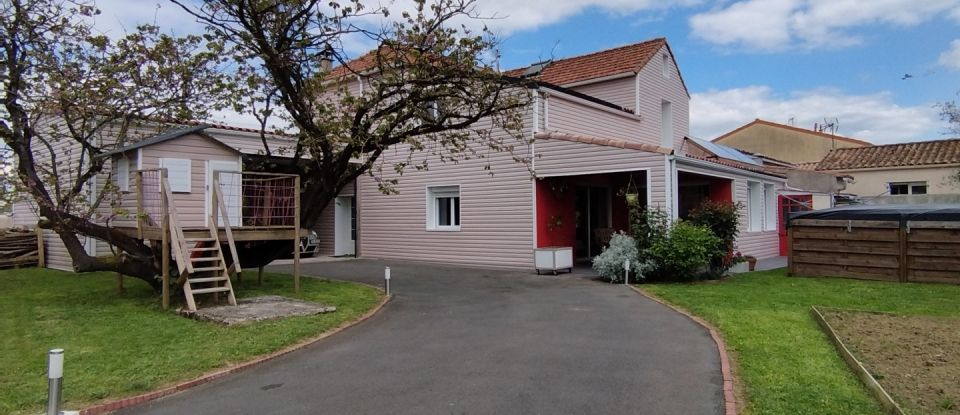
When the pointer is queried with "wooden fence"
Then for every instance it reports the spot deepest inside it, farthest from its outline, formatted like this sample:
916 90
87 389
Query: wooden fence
911 251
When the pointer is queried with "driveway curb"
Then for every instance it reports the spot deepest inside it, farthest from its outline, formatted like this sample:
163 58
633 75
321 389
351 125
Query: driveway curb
208 377
729 380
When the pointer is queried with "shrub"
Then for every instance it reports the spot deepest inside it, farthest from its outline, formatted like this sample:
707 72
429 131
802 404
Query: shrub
609 264
647 225
684 252
722 219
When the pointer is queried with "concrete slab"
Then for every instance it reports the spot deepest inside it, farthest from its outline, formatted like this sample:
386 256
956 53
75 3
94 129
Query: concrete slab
267 307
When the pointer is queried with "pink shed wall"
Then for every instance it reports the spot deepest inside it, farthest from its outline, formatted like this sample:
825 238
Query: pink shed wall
191 207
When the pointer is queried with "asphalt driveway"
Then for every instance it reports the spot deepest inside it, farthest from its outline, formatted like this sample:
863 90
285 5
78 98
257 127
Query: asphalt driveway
462 341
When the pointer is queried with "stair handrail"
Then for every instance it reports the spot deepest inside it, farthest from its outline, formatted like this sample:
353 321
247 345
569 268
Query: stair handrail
177 240
235 268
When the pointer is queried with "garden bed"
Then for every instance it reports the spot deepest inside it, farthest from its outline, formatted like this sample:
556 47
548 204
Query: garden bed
915 358
117 346
786 364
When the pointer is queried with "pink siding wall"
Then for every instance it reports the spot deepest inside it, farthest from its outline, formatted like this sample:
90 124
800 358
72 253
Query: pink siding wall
325 227
562 158
761 244
575 116
496 214
190 206
618 91
654 88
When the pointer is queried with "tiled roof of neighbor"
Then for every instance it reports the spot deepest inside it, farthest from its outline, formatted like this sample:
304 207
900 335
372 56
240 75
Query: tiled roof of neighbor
790 127
810 165
630 58
923 153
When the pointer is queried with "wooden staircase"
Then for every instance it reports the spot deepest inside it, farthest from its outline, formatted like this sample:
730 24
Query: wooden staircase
200 261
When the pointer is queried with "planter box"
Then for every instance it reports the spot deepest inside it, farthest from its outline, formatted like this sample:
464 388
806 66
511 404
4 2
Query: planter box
739 267
553 259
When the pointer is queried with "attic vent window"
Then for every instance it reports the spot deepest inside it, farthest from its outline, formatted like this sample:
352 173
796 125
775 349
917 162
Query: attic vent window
665 66
536 68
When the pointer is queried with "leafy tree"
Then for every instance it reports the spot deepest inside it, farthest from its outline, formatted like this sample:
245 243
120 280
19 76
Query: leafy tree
950 112
428 87
70 95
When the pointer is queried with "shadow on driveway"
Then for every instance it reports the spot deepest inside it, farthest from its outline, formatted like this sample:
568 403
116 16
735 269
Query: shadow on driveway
470 341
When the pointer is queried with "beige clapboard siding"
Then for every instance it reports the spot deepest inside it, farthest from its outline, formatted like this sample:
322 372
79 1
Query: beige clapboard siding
191 207
563 158
653 89
326 226
620 91
496 213
761 244
574 117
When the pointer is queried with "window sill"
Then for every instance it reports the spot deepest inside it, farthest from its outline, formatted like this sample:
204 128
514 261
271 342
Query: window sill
444 229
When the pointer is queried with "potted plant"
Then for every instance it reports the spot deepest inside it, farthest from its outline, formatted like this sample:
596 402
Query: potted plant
738 263
751 261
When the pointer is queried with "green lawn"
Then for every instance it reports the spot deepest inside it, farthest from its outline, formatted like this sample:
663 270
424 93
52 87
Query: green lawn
786 364
123 345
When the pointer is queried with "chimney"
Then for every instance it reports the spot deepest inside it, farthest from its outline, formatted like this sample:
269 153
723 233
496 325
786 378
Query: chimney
326 59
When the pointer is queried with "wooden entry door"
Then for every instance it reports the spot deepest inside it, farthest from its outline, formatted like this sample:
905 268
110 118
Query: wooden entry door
789 204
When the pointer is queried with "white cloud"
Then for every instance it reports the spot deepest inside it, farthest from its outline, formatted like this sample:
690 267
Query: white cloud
874 117
118 17
771 25
951 57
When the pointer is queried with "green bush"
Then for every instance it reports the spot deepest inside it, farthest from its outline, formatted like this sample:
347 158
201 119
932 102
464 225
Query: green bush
684 252
647 225
721 218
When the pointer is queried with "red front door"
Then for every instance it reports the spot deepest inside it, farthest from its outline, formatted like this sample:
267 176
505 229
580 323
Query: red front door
789 204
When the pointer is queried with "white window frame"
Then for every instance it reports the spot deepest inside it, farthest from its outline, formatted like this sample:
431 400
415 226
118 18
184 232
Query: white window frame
769 207
666 69
754 206
121 166
909 187
179 174
434 193
666 124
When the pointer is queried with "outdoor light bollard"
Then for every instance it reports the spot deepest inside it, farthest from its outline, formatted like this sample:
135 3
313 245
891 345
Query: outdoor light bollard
54 381
626 271
386 280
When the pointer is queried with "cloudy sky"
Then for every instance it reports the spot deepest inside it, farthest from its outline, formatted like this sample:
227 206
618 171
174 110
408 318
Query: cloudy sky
878 67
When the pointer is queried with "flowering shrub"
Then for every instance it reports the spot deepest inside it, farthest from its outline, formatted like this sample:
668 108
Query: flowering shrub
609 264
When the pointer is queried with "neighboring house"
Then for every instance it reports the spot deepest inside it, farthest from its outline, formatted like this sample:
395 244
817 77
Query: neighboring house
601 122
785 142
899 173
598 124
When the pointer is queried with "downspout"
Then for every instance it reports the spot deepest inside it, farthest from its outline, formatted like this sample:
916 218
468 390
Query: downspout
533 165
360 80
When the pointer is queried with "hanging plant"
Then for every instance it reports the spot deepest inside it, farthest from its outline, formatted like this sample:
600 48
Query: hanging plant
631 193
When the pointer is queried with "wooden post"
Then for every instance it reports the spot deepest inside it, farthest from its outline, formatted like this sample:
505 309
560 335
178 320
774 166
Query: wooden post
259 276
139 184
119 283
791 267
165 244
41 255
296 234
903 252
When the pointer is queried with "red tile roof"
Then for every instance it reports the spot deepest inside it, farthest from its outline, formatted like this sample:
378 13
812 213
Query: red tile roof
630 58
792 128
810 165
923 153
610 142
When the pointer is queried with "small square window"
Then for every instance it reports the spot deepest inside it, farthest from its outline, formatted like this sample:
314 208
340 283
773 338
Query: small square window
918 189
908 188
178 174
443 208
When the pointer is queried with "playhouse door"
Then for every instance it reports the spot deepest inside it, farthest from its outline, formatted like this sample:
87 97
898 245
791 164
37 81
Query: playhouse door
790 204
229 188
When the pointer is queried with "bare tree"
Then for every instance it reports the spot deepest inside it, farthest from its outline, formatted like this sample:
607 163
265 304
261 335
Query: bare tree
426 87
70 95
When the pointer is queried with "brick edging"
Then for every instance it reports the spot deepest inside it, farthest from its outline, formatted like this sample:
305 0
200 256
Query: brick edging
726 369
208 377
